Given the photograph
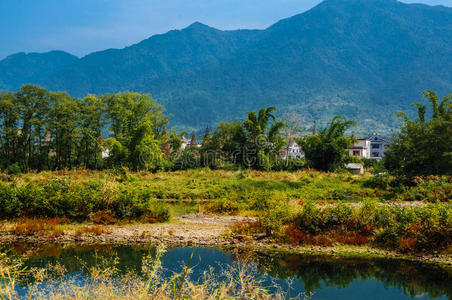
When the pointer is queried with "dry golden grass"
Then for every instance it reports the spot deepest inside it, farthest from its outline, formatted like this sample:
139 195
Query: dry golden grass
94 230
103 282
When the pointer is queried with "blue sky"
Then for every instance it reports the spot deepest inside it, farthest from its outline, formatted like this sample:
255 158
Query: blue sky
84 26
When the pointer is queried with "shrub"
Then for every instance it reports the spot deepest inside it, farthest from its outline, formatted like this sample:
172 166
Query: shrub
9 203
382 181
278 214
336 216
431 189
14 169
156 212
103 217
309 218
402 228
223 206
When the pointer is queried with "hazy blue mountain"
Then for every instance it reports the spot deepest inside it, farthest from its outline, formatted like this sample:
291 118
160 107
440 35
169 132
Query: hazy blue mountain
157 57
364 59
21 68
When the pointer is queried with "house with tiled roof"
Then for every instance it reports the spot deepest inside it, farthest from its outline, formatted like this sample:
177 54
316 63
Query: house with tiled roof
361 149
379 145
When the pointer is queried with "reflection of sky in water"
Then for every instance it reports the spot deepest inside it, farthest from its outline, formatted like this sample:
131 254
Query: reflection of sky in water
353 287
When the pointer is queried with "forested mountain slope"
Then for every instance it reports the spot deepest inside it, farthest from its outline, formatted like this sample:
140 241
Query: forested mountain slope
364 59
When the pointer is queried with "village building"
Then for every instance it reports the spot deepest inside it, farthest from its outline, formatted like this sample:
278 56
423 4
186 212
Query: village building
292 150
379 145
361 149
354 168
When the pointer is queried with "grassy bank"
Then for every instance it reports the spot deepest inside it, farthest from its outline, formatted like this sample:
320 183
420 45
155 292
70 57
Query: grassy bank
299 208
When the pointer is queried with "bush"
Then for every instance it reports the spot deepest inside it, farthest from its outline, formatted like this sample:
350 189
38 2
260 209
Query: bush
98 201
432 189
14 169
9 203
105 217
224 206
156 212
382 181
402 228
275 217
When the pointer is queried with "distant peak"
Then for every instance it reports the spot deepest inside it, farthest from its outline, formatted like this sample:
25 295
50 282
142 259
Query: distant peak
198 25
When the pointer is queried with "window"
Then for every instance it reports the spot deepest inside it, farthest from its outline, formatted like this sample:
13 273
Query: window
355 152
375 146
374 154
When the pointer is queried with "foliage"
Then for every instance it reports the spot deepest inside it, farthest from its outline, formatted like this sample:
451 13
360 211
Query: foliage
423 147
326 151
431 189
100 202
417 228
14 169
43 130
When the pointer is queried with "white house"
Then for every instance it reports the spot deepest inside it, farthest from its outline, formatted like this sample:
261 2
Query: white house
292 150
379 145
361 149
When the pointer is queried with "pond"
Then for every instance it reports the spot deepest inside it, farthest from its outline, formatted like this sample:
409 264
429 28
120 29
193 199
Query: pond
313 277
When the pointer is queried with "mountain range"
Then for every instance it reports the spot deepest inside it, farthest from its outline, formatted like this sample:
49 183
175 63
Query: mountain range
364 59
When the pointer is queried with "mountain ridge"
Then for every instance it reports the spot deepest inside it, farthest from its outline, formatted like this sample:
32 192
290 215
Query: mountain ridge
363 59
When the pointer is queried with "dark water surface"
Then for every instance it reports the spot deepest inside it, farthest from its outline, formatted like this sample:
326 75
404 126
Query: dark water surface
321 277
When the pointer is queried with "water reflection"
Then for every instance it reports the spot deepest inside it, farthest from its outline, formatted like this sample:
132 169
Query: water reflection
323 277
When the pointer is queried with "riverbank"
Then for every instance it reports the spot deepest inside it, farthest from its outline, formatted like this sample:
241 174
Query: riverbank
203 230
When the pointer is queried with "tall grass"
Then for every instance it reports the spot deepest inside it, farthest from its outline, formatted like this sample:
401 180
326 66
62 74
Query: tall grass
103 282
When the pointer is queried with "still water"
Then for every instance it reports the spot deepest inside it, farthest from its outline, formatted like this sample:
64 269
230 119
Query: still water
319 277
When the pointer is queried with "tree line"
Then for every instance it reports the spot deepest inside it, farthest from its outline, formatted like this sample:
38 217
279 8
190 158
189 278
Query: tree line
43 130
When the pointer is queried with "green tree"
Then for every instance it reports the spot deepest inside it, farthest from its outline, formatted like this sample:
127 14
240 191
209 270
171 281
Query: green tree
9 119
92 121
65 134
264 139
137 123
126 110
423 147
144 149
32 104
326 151
175 141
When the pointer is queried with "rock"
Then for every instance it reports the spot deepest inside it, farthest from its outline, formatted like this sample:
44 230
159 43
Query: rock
240 238
275 246
260 236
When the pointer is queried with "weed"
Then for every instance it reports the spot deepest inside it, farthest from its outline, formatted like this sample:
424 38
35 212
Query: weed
94 230
104 217
29 226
